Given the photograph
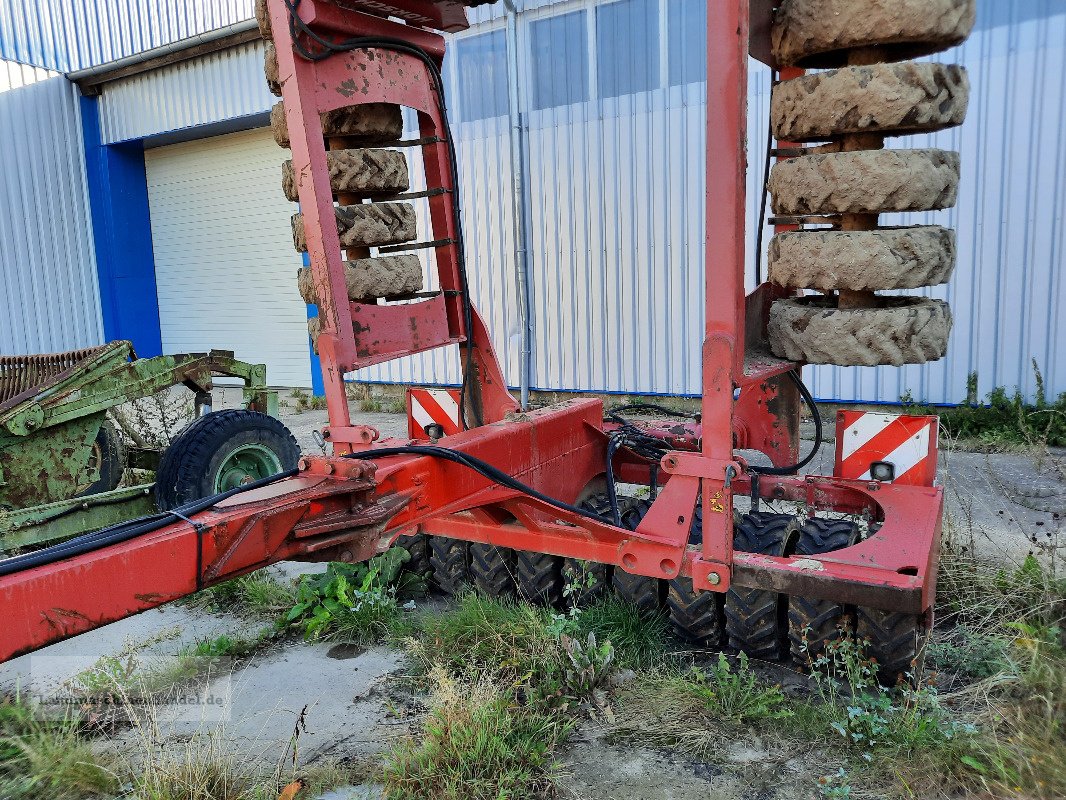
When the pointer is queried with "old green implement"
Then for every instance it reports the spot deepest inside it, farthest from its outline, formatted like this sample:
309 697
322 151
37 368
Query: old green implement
61 458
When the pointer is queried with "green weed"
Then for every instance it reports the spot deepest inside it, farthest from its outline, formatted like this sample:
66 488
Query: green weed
354 602
1005 418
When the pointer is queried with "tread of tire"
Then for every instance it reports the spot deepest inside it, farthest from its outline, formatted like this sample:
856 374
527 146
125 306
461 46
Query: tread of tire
696 616
896 641
903 330
493 569
450 559
369 124
877 260
755 619
365 225
577 572
812 623
363 171
647 595
819 33
417 546
865 182
540 578
884 99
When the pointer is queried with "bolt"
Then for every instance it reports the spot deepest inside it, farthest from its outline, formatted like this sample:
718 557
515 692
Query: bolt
346 556
304 465
330 469
714 578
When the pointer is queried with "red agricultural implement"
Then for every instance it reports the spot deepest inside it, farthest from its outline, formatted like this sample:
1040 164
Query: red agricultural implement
516 500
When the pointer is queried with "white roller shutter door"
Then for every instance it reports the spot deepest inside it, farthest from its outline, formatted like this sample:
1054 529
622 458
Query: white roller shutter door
225 264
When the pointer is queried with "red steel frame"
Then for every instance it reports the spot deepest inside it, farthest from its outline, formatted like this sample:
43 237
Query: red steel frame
348 509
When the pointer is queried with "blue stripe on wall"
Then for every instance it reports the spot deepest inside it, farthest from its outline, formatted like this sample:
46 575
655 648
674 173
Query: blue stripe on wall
122 234
318 387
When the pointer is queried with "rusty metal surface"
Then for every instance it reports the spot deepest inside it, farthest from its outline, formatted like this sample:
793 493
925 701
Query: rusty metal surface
24 377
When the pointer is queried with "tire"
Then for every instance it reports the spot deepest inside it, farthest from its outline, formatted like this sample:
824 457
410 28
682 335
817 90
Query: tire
109 453
756 620
696 616
590 579
812 624
219 451
540 578
819 33
417 547
493 569
878 260
450 559
865 182
369 172
896 641
368 124
646 595
370 278
886 99
262 16
272 70
904 330
366 225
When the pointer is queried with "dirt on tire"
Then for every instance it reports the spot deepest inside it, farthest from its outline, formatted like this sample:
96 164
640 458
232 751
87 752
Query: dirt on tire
904 330
878 260
262 16
367 225
818 33
368 172
865 182
369 124
272 70
371 278
890 99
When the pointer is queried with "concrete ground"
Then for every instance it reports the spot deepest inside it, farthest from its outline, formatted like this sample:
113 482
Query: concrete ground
998 503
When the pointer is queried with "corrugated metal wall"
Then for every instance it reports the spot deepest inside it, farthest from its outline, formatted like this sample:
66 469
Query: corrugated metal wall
221 86
47 264
613 120
68 35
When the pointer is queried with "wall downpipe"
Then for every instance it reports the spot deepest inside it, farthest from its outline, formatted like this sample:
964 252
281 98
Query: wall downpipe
519 206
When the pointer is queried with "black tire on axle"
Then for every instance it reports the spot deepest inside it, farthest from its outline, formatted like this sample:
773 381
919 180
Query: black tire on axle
696 616
895 640
450 559
647 595
540 578
812 624
756 620
417 547
590 581
493 569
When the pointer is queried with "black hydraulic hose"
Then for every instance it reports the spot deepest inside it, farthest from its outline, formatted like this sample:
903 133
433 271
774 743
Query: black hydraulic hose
477 465
765 192
808 399
124 531
613 444
399 45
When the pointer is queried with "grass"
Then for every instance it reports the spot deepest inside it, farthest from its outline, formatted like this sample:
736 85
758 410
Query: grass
694 710
477 743
258 594
50 758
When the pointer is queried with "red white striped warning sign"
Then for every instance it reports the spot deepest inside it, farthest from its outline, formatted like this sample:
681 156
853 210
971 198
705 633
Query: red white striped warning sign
866 441
432 407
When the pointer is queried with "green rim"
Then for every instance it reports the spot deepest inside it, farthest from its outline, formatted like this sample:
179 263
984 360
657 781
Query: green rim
250 462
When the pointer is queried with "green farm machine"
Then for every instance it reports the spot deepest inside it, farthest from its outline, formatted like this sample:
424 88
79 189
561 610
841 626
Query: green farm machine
62 458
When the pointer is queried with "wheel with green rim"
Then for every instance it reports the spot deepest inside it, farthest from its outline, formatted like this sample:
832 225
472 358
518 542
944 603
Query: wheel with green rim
222 451
250 462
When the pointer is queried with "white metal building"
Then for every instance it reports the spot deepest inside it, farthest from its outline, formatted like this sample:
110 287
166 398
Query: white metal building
184 244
